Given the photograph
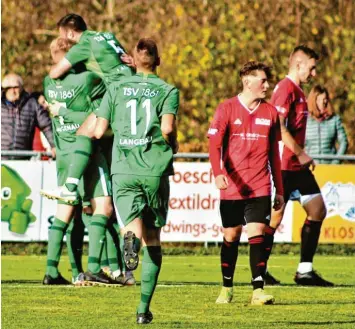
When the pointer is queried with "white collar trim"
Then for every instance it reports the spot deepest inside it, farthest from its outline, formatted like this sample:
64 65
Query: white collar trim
246 107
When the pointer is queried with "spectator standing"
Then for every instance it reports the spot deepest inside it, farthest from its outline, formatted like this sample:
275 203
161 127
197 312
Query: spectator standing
20 115
324 128
40 142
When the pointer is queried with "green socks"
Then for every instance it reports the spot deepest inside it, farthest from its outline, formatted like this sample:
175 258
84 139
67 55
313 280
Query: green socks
55 244
79 161
97 233
104 259
112 246
151 265
75 238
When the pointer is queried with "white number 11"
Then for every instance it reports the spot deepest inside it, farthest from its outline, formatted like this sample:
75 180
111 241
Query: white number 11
133 105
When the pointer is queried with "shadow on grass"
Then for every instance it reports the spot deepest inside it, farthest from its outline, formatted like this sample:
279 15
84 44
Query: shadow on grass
317 323
243 284
193 283
21 281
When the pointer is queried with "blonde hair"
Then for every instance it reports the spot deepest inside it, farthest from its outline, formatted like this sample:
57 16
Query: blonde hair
312 102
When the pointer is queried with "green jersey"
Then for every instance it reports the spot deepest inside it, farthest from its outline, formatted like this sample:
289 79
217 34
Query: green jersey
134 107
79 95
100 52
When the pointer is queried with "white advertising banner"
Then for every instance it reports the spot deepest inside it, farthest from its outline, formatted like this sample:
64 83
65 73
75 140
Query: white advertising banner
194 207
193 214
20 200
48 206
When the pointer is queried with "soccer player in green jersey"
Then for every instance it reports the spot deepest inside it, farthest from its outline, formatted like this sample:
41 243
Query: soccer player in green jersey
141 111
102 54
78 94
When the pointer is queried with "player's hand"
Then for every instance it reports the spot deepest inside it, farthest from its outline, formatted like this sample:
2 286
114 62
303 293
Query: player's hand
221 182
54 153
54 108
278 202
128 59
306 161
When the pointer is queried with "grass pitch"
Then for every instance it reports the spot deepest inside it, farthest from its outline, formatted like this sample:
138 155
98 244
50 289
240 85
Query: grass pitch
185 297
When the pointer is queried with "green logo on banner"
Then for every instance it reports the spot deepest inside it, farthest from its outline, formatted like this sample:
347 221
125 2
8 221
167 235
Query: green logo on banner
15 207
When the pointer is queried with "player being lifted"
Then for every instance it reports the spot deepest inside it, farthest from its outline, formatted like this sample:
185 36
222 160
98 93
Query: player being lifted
299 182
245 133
141 111
102 54
78 93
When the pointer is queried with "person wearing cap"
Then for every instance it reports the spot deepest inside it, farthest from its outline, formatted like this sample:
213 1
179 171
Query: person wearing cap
20 115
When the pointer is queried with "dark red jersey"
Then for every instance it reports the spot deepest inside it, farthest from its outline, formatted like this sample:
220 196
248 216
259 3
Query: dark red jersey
241 143
291 103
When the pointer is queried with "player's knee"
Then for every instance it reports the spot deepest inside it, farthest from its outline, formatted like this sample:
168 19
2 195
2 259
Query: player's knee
319 215
104 208
232 235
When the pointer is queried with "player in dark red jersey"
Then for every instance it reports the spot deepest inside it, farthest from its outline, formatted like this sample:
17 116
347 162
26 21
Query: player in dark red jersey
245 133
298 180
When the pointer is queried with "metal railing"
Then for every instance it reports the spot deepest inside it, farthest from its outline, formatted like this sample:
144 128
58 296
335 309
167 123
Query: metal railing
189 155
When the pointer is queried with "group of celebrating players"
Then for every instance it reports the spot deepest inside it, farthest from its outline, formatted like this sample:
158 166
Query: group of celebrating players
115 131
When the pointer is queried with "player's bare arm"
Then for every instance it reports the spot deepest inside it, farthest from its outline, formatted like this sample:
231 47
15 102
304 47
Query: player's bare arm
304 159
275 164
101 127
169 130
60 68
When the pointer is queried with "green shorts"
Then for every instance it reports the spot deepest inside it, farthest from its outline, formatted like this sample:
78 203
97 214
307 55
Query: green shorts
106 144
145 197
96 180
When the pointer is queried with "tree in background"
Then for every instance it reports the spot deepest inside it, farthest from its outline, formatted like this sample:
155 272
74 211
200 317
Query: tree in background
202 42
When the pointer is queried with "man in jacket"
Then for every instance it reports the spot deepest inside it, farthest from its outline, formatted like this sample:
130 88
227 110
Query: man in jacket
20 115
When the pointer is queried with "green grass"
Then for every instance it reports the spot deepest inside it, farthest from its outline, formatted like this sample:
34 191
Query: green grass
185 297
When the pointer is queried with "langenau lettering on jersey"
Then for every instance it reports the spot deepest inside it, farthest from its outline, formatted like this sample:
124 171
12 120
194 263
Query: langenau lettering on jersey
135 141
68 127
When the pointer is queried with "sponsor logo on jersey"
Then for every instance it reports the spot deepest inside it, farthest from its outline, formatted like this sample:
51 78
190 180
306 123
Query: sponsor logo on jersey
262 121
339 199
135 141
238 122
212 131
250 136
